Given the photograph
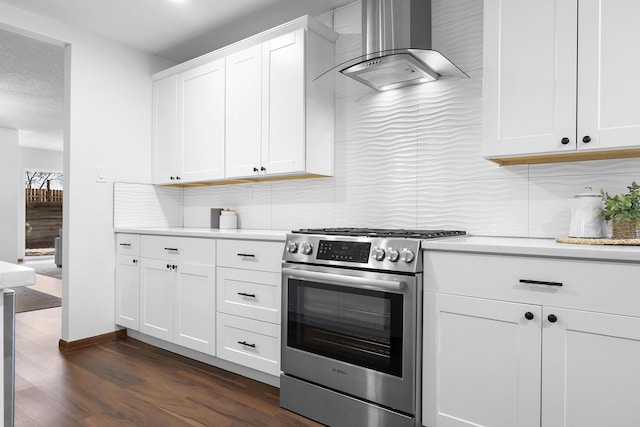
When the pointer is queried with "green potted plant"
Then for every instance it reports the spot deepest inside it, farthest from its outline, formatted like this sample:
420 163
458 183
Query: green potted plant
623 210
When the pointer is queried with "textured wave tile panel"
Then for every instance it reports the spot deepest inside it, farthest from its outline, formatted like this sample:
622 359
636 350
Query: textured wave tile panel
590 167
449 103
302 203
496 208
146 205
456 153
447 11
198 202
549 210
362 162
257 215
388 206
461 41
379 115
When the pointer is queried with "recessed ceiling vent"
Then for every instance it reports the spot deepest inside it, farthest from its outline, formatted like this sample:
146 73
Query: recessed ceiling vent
396 43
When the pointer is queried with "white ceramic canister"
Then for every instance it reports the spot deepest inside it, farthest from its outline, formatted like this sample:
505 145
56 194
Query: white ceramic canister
228 220
585 218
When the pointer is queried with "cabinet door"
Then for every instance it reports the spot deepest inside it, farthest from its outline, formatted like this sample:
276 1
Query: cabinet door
591 374
164 148
201 122
157 295
243 112
608 89
529 76
283 138
195 307
481 363
128 291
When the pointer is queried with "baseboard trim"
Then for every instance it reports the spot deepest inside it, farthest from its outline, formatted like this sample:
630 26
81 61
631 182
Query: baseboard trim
86 342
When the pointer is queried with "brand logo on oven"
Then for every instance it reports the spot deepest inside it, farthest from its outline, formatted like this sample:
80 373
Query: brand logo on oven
339 371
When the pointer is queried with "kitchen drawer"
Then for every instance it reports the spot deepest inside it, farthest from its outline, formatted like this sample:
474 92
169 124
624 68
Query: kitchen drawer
190 249
127 244
602 286
249 343
250 254
249 293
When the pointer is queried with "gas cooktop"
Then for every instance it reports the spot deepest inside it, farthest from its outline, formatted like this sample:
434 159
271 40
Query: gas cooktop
381 232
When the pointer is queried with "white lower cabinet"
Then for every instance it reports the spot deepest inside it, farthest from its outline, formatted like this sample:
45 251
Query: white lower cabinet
249 343
178 297
516 359
248 303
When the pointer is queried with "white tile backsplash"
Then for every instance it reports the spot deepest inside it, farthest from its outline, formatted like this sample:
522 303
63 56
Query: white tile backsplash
404 158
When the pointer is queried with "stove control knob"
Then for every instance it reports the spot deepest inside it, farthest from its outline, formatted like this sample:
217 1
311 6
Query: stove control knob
306 248
292 247
377 254
393 255
406 255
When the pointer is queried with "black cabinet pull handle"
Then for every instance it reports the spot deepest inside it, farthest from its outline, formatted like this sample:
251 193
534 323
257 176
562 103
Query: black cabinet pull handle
586 139
565 140
540 282
247 255
552 318
125 244
528 315
244 294
246 344
170 249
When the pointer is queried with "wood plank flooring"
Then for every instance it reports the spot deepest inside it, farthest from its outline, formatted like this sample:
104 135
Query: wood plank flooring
129 383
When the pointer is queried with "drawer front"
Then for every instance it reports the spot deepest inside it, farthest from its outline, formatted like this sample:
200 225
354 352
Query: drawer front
602 286
249 343
190 249
250 254
128 244
249 293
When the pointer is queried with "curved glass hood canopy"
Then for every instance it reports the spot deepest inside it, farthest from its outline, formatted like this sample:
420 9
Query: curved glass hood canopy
397 44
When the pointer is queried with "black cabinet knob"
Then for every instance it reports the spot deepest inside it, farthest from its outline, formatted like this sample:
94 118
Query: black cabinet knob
528 315
586 139
565 140
255 169
552 318
169 266
263 169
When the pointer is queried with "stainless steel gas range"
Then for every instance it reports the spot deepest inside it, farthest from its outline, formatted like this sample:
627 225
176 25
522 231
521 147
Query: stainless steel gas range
351 327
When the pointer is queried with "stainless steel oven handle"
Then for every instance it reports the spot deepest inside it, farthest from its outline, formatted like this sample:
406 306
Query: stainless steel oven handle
355 282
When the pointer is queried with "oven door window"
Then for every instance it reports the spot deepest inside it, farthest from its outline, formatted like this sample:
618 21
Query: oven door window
357 326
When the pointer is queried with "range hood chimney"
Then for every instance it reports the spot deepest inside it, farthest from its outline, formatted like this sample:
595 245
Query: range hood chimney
397 46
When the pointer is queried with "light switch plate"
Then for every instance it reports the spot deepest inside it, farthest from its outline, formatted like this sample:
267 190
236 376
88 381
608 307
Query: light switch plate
101 174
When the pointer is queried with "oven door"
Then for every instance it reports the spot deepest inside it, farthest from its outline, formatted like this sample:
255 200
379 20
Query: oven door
352 331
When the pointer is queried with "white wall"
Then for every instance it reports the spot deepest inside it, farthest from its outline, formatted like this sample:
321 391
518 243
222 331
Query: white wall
33 159
108 99
10 188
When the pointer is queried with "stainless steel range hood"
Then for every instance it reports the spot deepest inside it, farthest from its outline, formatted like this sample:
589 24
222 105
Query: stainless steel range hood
396 43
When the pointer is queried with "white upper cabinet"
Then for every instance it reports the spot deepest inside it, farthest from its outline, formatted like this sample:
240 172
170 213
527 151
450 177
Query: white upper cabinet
244 112
201 122
249 110
188 124
164 149
559 81
272 110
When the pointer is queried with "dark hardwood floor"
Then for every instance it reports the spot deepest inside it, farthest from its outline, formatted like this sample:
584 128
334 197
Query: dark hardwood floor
129 383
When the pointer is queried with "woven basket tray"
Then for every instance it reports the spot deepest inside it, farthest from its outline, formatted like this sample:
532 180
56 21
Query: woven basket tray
583 241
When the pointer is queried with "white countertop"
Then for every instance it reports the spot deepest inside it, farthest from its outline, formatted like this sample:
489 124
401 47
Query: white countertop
13 275
533 247
213 233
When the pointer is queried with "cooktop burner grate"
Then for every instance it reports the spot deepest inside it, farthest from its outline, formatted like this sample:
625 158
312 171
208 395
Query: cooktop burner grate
381 232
